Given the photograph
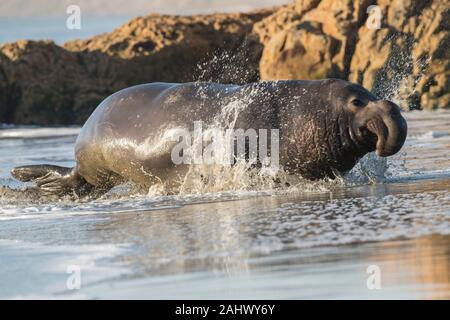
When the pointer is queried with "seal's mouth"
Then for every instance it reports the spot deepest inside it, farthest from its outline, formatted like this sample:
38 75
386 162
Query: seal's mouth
383 129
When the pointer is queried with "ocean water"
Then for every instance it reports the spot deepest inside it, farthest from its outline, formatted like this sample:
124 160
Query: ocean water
316 240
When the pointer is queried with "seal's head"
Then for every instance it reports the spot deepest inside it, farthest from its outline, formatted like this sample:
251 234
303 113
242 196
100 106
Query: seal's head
333 124
374 124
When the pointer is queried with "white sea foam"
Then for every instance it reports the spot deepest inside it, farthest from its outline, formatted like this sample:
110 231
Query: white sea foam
30 132
432 135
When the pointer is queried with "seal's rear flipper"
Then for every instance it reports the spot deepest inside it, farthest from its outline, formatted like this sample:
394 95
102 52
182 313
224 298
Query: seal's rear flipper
51 179
33 172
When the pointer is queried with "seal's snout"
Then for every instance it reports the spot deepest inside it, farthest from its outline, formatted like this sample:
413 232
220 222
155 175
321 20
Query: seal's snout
384 127
388 125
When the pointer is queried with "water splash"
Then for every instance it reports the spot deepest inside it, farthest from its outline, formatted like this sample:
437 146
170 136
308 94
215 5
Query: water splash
239 65
238 176
370 169
398 79
398 83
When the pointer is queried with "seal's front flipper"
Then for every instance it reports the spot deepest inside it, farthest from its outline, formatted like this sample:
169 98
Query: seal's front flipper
52 179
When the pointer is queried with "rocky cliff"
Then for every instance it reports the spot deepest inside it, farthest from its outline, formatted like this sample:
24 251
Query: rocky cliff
406 58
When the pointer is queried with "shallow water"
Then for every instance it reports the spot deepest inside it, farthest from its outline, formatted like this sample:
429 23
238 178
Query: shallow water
313 241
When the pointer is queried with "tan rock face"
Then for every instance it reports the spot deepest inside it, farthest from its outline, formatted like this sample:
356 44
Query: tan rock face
406 60
302 51
321 34
43 83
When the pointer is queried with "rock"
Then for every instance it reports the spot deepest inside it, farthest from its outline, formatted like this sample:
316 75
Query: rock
184 48
407 59
302 51
43 83
315 43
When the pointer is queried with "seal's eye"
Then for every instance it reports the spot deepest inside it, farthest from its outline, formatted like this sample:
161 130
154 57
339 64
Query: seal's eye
358 103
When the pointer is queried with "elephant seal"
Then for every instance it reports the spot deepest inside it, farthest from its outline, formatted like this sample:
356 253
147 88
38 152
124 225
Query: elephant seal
325 127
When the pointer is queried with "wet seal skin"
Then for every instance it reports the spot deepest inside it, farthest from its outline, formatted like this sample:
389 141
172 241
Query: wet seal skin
325 127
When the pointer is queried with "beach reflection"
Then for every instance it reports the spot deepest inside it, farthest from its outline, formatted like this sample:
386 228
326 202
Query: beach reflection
421 265
266 240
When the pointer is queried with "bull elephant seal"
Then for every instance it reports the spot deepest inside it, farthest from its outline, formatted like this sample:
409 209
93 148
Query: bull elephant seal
325 127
